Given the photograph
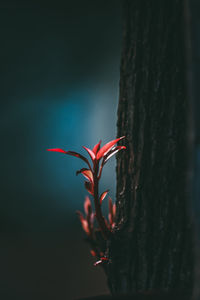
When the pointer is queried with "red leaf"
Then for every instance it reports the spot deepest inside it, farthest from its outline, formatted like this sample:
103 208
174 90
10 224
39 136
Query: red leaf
84 222
72 153
96 147
92 218
93 253
111 153
86 173
87 205
111 216
103 195
104 150
98 262
91 153
89 187
102 260
110 205
112 212
57 150
110 219
85 227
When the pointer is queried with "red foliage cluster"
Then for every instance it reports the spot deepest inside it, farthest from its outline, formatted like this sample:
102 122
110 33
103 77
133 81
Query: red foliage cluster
93 174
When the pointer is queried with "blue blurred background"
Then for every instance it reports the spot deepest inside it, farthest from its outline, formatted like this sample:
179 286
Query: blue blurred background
59 88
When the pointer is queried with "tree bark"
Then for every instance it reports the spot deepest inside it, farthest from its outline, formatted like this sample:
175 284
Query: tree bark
193 77
152 245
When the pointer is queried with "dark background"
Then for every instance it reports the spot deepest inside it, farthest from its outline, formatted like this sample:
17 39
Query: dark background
59 88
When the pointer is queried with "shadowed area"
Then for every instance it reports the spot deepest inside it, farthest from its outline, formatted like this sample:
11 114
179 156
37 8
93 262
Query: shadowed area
59 76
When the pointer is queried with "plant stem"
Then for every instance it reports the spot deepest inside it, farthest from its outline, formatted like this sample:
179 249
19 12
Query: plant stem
104 229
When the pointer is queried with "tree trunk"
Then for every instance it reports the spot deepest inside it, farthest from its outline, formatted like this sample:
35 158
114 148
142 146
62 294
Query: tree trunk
193 76
152 246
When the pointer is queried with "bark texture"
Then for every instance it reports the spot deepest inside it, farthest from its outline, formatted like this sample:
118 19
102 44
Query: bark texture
152 246
193 76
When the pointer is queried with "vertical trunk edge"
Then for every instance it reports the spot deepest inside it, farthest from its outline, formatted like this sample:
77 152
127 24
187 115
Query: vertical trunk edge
152 245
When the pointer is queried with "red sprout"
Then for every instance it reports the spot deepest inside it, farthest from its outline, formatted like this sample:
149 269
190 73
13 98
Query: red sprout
93 175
